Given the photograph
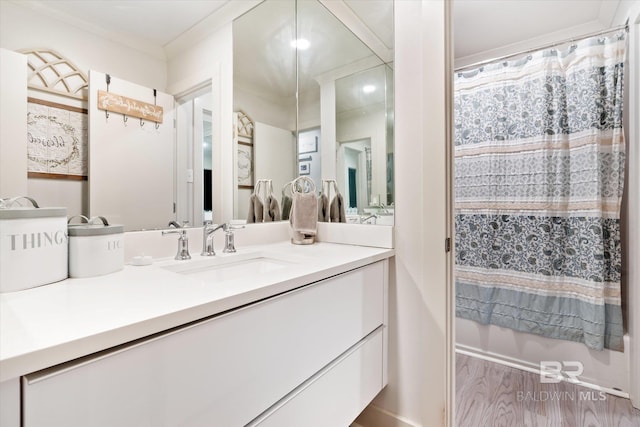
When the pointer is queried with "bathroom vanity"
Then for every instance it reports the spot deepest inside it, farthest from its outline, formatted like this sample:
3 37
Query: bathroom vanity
275 335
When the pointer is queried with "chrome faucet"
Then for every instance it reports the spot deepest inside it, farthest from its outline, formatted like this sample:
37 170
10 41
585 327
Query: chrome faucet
207 237
363 220
183 243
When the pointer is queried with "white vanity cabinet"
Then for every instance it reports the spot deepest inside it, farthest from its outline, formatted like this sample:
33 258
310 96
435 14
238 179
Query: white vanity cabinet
291 359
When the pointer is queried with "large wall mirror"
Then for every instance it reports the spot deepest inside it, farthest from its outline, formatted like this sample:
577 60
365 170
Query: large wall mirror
309 97
320 102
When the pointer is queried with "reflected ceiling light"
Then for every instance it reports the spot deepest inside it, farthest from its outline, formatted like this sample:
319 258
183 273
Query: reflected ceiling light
368 88
301 44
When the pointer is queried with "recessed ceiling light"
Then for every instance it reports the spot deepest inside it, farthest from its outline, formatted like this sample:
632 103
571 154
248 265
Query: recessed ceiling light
301 44
368 88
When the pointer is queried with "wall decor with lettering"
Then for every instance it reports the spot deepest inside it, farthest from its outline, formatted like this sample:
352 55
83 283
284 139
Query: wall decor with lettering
129 107
57 139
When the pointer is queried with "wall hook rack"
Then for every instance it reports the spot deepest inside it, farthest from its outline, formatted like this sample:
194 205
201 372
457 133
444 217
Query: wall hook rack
141 123
107 79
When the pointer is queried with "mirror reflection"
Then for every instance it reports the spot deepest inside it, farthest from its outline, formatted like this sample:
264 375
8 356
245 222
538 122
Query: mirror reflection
194 157
338 127
365 145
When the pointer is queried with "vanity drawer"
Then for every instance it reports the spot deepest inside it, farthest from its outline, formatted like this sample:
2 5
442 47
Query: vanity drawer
223 371
336 395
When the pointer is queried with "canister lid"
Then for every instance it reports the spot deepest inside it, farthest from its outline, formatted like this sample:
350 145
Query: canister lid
94 229
90 228
10 209
21 213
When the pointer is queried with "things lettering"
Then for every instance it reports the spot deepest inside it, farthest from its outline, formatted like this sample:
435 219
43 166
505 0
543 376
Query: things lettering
37 240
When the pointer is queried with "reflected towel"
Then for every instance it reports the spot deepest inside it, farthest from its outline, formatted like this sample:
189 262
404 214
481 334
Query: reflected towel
255 210
323 208
272 211
304 213
286 206
336 210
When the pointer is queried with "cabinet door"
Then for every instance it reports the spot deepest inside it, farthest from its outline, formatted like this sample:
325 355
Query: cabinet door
224 371
336 395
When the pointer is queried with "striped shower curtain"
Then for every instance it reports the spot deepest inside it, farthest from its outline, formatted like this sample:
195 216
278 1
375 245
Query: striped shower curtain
539 169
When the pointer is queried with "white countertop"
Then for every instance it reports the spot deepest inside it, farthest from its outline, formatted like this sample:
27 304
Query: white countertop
55 323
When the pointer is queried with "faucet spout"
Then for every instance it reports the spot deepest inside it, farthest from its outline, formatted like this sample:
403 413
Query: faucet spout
207 237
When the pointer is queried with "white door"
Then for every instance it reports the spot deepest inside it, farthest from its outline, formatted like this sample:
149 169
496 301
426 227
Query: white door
131 162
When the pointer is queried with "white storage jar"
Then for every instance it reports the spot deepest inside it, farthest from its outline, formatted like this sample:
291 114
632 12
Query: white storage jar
33 245
95 249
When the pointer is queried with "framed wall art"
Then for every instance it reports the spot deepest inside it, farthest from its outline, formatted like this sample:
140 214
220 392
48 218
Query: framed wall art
245 165
57 140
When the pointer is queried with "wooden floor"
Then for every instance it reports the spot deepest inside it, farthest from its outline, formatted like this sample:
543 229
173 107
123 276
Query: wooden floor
490 394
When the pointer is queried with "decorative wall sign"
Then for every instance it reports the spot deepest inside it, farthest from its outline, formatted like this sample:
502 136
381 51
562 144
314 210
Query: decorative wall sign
304 168
51 72
308 145
245 125
245 165
129 107
57 138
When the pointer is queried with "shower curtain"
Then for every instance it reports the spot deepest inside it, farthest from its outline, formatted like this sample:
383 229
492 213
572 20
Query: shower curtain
539 169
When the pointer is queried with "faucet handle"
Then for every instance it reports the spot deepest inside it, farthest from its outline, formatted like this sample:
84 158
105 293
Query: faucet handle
183 243
229 245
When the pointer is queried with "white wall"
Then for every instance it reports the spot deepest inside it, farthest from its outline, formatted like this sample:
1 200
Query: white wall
632 225
22 27
13 124
309 109
420 303
274 158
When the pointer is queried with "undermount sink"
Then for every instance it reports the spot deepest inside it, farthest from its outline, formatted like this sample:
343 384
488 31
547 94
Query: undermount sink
229 267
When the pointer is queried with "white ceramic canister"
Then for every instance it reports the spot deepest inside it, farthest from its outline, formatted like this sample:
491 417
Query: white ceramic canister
95 248
33 245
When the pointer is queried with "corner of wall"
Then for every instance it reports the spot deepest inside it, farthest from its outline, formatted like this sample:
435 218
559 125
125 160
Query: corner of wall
13 125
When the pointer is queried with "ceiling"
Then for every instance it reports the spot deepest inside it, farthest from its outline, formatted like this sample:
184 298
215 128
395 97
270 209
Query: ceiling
146 25
488 28
154 24
481 27
265 62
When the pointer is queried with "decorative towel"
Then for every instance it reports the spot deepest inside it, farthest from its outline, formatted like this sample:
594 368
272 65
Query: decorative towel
336 210
323 208
286 207
304 213
255 210
272 211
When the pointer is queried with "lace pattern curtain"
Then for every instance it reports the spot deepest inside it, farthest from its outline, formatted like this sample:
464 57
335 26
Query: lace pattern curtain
539 170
